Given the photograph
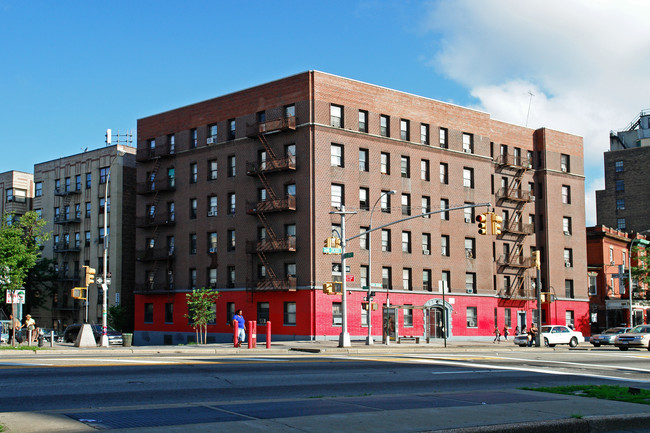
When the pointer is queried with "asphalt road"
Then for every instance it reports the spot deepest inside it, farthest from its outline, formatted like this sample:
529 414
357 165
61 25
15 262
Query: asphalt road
101 381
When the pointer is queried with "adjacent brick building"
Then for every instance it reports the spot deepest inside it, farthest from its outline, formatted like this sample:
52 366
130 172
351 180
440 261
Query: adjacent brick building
70 194
235 193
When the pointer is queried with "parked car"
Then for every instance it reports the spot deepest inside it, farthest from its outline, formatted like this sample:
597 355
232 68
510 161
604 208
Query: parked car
607 336
71 332
560 334
521 340
639 336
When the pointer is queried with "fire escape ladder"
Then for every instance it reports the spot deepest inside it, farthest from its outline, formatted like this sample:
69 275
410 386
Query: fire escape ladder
265 183
271 280
267 147
269 231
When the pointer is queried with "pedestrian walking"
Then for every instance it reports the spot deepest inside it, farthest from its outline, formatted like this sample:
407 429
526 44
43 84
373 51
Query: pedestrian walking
505 333
241 326
497 335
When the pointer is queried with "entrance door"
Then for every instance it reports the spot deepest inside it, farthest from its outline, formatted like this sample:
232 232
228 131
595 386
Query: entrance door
436 323
521 320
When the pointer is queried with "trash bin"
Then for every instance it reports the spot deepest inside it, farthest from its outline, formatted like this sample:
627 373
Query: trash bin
127 340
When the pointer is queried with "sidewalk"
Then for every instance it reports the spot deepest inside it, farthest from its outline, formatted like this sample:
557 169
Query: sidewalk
460 412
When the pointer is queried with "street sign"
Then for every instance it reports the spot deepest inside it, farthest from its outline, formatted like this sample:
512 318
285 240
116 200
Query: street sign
15 296
375 285
332 250
349 278
348 255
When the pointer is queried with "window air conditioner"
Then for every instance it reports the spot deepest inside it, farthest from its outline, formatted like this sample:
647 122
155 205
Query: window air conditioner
426 252
568 233
469 290
567 264
468 220
471 324
212 250
564 170
211 213
211 140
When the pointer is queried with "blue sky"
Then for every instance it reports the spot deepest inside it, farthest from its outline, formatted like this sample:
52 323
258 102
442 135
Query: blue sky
72 69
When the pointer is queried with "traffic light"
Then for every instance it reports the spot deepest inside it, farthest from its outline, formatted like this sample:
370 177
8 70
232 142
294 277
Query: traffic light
328 288
337 242
327 243
536 259
496 223
79 293
481 219
338 288
90 275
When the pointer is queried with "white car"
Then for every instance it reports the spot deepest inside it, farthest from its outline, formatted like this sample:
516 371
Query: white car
560 334
639 336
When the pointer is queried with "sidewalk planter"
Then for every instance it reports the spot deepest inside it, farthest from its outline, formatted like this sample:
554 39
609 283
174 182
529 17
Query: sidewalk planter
127 340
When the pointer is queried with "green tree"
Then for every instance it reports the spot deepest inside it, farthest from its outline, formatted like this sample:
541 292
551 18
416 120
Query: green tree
641 272
200 309
21 241
117 317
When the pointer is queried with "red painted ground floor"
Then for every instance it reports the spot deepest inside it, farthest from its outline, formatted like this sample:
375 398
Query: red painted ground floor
310 314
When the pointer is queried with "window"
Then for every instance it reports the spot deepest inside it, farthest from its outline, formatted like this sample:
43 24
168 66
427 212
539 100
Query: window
193 206
231 276
194 137
87 238
231 203
406 242
468 214
336 116
405 166
364 203
426 243
290 189
290 270
444 204
290 111
148 312
231 240
337 314
385 163
445 277
444 170
212 242
468 143
426 206
169 312
88 209
384 125
171 140
232 165
566 194
426 280
363 239
568 288
386 277
470 248
568 257
593 285
468 177
406 204
103 175
565 163
363 121
192 243
620 186
443 138
337 195
38 189
289 314
618 166
620 204
89 178
212 169
385 240
406 279
67 184
232 128
363 160
620 223
10 194
424 170
405 129
444 245
424 133
470 282
566 225
408 317
385 202
262 313
508 317
472 317
336 155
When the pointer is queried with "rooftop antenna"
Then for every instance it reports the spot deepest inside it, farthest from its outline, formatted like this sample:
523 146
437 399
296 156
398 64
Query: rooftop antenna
529 103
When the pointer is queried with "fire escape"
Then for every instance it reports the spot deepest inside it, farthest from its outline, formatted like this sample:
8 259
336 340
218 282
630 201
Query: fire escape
269 241
157 254
515 261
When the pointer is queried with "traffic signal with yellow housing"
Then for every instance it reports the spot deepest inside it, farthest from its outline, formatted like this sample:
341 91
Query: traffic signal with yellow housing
79 293
337 242
536 259
90 276
496 223
328 287
481 219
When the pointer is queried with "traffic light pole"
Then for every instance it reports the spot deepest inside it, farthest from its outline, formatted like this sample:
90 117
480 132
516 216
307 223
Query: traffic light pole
344 337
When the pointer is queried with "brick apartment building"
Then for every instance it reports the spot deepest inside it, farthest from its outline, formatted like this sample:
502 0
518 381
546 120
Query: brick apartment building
625 201
70 193
235 193
608 255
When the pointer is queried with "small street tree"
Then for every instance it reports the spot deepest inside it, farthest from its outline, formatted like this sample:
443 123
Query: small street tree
641 272
20 247
201 311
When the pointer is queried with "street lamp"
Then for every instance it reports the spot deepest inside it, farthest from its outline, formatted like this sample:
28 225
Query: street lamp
104 340
385 193
630 271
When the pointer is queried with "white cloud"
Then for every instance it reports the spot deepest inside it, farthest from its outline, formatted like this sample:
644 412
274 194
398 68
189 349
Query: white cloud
586 62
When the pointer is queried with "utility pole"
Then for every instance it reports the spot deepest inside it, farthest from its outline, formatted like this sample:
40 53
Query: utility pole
344 337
